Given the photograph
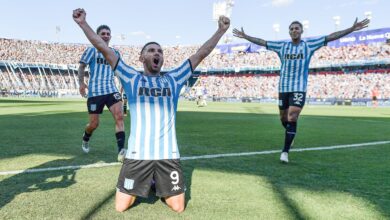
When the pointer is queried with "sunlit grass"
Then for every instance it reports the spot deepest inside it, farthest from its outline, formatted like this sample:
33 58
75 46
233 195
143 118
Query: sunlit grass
335 184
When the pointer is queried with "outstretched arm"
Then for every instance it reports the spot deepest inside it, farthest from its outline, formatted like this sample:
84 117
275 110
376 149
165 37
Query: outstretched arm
241 34
208 47
355 27
79 17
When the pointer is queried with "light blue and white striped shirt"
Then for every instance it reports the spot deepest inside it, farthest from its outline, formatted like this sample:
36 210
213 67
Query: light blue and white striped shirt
295 61
153 105
101 76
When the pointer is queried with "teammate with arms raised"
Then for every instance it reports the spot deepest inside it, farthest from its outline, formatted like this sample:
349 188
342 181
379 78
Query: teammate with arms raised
295 57
101 92
152 151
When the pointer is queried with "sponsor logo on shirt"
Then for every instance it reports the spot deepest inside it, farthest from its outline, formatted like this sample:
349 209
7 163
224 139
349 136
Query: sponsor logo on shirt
155 92
298 56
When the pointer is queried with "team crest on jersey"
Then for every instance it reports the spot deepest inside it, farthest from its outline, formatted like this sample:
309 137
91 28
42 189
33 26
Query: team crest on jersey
163 80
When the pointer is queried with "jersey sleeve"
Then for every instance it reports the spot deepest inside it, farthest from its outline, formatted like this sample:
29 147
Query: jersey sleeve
117 53
315 43
125 72
182 73
275 46
87 55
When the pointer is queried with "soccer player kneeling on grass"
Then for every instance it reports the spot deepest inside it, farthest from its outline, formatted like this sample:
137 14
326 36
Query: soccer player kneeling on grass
152 149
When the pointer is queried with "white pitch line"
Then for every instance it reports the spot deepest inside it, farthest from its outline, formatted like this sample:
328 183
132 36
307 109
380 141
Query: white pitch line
97 165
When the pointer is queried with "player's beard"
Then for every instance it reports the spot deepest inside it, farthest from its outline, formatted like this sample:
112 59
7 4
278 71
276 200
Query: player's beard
153 68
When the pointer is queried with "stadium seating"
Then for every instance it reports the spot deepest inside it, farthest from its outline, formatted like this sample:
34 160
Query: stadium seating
50 69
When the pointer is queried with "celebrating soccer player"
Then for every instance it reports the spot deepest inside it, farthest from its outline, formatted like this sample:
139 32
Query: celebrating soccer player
152 151
295 57
101 92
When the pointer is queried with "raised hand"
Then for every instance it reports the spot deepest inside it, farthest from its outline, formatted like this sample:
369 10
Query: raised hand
223 23
360 25
79 15
240 34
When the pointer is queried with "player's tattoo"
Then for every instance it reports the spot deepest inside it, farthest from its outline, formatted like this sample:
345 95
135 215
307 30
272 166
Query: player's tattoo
81 77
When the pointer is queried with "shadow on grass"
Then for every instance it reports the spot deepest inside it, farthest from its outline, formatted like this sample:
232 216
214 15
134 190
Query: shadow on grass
198 133
31 182
209 133
288 202
89 214
57 134
4 103
357 172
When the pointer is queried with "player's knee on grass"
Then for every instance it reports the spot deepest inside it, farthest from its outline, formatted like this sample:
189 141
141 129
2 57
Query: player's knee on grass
120 208
123 201
176 203
177 207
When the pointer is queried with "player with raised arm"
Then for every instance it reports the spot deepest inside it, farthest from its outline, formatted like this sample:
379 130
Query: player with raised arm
101 92
152 150
295 57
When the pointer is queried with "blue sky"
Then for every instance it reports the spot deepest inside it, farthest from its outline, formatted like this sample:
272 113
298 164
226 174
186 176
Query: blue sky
179 21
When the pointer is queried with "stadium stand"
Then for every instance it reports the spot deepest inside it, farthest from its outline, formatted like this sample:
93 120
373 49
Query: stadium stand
348 72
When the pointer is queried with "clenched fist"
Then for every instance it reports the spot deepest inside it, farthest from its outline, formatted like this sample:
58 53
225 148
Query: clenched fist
223 23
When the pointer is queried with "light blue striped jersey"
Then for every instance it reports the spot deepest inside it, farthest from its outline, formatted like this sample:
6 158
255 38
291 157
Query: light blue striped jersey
295 61
153 104
101 76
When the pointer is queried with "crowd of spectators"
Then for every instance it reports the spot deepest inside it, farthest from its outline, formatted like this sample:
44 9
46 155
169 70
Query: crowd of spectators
56 53
323 85
40 52
40 82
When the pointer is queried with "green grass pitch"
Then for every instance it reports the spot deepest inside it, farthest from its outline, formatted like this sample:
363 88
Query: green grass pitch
351 183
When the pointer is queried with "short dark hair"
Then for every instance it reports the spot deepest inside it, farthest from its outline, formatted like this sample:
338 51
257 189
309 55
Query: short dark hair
149 43
296 22
101 27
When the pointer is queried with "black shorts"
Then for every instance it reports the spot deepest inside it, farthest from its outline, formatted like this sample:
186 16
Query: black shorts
96 104
288 99
135 177
374 98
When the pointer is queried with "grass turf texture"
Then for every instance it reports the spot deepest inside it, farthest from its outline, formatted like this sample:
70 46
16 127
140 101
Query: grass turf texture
335 184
